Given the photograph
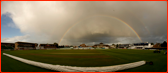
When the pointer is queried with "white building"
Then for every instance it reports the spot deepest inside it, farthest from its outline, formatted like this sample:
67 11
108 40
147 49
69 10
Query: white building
140 46
106 47
113 46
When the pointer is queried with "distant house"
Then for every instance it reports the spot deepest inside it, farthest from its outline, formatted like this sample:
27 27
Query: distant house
95 46
101 45
83 45
25 45
157 45
112 46
47 46
75 46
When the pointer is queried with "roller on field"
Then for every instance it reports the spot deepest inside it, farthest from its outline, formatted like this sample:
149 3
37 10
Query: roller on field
62 68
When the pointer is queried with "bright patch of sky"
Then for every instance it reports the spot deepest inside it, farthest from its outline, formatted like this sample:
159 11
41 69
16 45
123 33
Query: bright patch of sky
8 28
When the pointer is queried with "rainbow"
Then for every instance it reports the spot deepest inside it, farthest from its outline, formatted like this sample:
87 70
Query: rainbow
105 16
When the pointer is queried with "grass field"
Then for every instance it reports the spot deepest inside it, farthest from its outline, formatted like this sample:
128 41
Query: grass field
85 58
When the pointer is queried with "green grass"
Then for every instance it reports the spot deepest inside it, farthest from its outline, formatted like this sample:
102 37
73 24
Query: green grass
86 58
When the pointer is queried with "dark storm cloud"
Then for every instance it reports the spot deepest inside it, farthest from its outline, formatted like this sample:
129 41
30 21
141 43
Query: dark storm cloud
95 21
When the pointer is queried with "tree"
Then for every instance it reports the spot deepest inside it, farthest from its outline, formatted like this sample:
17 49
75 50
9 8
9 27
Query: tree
152 43
117 46
56 44
164 44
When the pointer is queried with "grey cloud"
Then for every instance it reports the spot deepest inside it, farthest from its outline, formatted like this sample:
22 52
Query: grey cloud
49 21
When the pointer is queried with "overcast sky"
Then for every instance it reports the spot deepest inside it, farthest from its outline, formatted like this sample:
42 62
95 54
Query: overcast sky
88 22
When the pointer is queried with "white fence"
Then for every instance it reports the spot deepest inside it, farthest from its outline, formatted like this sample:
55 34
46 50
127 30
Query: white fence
78 69
84 48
